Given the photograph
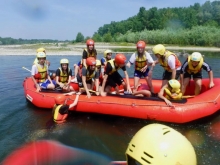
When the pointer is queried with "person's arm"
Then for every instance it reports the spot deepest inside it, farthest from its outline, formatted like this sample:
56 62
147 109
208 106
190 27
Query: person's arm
211 83
103 85
131 60
32 76
85 86
160 95
84 58
128 83
173 74
57 78
75 101
97 86
172 65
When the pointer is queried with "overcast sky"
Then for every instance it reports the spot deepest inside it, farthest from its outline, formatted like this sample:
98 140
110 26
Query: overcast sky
63 19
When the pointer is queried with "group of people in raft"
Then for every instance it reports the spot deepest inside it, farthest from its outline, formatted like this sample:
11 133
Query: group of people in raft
102 75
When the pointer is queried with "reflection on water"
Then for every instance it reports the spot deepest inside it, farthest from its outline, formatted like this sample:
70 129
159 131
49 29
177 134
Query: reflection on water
21 122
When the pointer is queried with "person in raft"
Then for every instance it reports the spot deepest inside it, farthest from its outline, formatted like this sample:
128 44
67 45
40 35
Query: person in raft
60 109
142 60
169 61
106 58
101 75
85 77
112 78
36 60
51 73
63 75
192 67
171 91
40 74
89 51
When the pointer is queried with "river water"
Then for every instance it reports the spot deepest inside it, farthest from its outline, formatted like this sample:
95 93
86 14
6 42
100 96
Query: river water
21 122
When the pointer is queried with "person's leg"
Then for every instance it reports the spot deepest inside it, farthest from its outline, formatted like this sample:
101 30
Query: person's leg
198 85
136 82
76 71
185 84
146 93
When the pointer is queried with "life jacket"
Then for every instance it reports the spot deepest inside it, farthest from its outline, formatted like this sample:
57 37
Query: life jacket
170 96
140 62
88 75
58 117
64 77
41 76
164 62
90 55
112 63
196 69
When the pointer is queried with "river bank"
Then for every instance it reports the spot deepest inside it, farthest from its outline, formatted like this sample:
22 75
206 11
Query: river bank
76 49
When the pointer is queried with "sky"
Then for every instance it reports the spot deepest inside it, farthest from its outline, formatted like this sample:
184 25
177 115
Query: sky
64 19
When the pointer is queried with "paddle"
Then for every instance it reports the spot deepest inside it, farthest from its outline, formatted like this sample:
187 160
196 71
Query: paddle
26 69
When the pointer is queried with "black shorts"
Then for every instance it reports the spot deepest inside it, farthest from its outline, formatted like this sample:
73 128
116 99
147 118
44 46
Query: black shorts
197 75
114 80
168 75
80 84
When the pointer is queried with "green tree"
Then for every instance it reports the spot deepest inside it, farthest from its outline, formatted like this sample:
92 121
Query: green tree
79 37
107 37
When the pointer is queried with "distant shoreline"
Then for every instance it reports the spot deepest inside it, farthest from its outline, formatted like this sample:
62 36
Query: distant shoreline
77 49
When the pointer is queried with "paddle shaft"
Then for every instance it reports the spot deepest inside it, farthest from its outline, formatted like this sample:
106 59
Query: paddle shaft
26 69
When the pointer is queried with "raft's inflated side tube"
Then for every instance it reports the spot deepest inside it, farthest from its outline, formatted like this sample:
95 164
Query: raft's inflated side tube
47 152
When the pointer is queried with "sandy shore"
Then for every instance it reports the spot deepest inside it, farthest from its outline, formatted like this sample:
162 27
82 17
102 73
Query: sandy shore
76 49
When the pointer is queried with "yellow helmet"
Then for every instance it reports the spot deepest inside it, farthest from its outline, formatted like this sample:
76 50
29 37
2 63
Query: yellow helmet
159 144
98 62
159 49
174 84
196 56
106 52
41 55
41 50
64 61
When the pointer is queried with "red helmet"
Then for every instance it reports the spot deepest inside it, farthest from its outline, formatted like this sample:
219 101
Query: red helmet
60 99
90 42
90 61
141 44
120 59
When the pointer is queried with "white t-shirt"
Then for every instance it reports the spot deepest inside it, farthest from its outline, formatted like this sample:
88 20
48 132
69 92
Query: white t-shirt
34 69
172 62
148 57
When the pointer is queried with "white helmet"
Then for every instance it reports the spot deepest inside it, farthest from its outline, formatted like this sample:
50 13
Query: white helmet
106 52
157 144
64 61
196 56
41 55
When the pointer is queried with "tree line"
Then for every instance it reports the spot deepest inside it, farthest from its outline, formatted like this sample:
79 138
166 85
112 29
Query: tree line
193 25
12 41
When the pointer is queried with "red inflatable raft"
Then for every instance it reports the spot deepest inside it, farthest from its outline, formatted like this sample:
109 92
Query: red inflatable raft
205 104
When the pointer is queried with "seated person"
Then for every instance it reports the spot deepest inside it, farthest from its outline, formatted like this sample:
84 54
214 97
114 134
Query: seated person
77 69
192 68
112 78
85 77
98 68
107 57
40 74
36 60
63 75
171 91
